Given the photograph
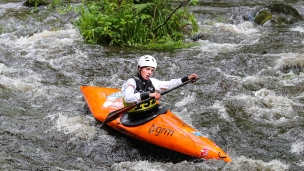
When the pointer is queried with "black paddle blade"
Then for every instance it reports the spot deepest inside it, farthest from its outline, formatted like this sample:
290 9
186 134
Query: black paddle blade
115 114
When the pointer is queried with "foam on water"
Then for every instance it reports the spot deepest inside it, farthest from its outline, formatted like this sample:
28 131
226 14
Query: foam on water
264 106
297 147
184 114
14 79
45 45
138 166
77 126
294 64
47 41
46 38
246 28
49 48
275 104
243 163
238 163
11 5
222 112
157 166
290 60
300 164
186 100
207 46
298 29
245 31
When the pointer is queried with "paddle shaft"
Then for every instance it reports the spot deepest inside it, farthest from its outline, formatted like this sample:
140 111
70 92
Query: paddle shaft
115 114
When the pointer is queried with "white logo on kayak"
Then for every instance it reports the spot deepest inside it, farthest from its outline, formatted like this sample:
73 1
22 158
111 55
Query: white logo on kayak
114 96
204 152
114 100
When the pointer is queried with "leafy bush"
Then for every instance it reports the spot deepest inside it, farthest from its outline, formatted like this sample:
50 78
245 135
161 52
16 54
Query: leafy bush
36 3
135 23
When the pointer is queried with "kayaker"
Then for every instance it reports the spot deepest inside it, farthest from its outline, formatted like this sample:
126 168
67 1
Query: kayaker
142 86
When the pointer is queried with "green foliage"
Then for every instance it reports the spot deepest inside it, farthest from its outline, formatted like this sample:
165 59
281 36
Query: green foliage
55 3
48 3
37 2
134 22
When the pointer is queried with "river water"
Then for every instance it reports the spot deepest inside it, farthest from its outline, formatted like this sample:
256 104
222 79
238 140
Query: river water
249 98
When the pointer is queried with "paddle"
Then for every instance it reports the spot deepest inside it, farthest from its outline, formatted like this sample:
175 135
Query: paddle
115 114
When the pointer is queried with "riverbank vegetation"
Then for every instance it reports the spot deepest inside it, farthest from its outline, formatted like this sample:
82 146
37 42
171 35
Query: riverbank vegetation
153 24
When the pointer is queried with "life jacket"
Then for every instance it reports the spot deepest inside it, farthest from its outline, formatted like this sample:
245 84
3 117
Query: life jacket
142 86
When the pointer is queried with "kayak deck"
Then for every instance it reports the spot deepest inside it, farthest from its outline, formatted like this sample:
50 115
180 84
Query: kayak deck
162 129
139 119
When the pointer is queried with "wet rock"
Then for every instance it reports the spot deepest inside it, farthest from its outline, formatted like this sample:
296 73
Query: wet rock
198 36
277 14
262 17
297 69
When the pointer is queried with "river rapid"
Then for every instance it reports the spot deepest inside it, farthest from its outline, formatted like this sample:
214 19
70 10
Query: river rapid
249 99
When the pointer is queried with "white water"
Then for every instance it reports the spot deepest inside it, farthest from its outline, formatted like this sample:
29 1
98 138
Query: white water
42 72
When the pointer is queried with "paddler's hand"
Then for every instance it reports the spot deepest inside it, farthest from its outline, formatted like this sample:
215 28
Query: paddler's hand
155 95
193 77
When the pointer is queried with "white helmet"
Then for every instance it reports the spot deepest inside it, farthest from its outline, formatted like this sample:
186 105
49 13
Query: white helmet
147 60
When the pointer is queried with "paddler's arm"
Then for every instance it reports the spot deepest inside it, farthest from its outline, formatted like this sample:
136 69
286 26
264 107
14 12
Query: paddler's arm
165 85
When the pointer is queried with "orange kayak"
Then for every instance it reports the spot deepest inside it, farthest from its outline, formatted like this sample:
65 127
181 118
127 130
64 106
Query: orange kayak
161 127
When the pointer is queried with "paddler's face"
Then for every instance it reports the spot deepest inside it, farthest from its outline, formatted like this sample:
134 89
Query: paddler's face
146 72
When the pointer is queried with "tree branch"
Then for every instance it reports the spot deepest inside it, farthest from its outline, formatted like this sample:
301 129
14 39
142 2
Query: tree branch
168 18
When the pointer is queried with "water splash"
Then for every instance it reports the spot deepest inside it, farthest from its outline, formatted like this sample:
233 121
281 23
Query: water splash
77 126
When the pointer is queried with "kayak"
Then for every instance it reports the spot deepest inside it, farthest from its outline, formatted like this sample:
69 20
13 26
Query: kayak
159 127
